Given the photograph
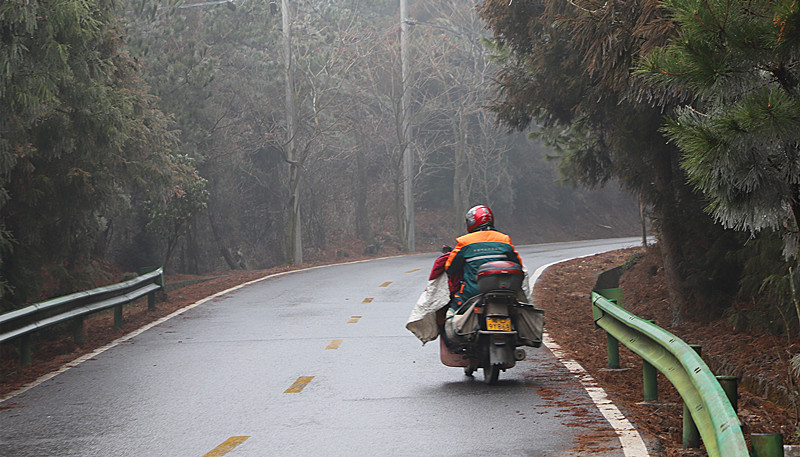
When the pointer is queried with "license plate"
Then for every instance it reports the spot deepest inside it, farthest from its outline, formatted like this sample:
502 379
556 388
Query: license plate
498 324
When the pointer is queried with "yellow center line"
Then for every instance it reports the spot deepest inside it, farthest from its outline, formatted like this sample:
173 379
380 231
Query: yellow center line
354 319
299 385
411 271
226 446
334 344
386 284
367 300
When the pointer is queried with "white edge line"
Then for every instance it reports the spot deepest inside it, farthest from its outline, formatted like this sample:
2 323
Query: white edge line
630 439
122 339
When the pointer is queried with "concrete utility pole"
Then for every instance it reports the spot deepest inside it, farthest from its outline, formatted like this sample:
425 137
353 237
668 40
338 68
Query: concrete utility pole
408 160
295 242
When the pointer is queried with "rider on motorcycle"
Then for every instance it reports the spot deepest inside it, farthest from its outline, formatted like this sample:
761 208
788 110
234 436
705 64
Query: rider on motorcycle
481 244
484 323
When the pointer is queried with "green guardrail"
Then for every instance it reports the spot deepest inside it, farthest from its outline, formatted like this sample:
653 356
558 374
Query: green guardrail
21 323
703 396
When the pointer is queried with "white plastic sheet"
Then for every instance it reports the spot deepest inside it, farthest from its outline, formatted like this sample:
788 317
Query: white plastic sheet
422 321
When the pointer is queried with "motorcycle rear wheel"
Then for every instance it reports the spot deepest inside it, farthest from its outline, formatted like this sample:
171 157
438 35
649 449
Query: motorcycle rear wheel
491 373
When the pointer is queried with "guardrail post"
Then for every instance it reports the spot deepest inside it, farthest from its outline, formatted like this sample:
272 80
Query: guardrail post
650 381
151 301
151 297
767 444
70 310
78 331
614 295
691 436
717 424
730 384
118 316
25 350
613 352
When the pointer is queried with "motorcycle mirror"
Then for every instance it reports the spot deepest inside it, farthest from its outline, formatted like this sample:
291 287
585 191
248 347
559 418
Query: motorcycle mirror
446 249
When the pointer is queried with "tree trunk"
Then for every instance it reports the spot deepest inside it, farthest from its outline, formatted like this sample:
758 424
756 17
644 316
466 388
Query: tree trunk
192 248
360 197
399 208
172 241
223 250
409 235
790 237
643 219
460 172
294 248
294 245
670 233
673 257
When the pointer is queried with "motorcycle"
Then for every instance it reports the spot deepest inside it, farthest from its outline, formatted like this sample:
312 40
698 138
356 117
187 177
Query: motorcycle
489 330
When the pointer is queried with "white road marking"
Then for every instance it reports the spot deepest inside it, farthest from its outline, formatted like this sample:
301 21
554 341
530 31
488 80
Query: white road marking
629 437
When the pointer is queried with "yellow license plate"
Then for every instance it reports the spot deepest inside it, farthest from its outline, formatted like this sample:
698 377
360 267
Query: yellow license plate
498 324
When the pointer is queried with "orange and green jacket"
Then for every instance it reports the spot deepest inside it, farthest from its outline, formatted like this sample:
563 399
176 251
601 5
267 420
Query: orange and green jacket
473 250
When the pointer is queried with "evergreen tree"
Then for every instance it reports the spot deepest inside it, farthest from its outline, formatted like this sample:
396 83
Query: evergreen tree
570 71
740 130
79 137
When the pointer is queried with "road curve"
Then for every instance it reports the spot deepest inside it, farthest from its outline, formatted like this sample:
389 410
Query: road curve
316 362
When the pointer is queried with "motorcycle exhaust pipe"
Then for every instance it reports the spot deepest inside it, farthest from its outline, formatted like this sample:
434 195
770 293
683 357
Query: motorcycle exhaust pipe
519 354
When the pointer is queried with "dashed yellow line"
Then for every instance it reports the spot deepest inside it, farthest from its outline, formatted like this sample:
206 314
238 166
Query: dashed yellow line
299 385
367 300
334 344
411 271
354 319
386 284
227 446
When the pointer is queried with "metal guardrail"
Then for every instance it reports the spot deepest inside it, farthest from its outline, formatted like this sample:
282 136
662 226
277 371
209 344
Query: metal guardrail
710 408
21 323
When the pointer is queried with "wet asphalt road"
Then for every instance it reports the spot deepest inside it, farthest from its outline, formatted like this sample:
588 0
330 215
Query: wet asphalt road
313 363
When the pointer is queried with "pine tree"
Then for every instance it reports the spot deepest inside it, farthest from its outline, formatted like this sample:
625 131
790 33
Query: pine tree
740 131
570 73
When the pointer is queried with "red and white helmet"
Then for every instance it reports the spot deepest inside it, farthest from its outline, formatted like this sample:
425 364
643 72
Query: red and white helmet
479 217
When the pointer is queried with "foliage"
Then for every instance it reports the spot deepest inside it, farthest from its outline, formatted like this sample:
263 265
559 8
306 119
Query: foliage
631 261
79 136
738 133
453 70
739 137
347 92
569 71
171 217
221 71
164 135
771 282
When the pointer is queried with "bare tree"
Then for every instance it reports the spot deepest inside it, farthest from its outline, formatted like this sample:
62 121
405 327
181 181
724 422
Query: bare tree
460 72
323 54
